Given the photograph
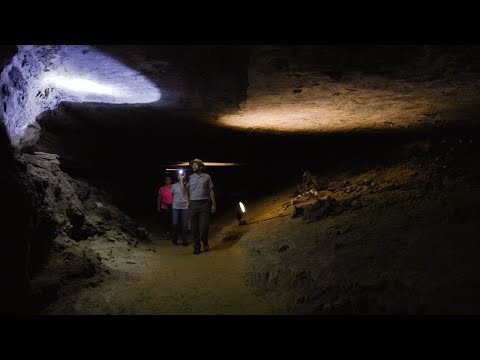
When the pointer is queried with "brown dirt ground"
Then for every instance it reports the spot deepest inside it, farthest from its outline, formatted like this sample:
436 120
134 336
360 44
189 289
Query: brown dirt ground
162 279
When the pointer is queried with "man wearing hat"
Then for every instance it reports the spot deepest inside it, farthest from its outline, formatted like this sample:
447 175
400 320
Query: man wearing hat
202 203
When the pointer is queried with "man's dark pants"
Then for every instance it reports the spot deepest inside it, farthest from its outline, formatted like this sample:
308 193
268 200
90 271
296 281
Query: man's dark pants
200 221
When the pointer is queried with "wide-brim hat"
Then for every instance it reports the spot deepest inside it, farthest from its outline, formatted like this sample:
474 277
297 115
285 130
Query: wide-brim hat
198 161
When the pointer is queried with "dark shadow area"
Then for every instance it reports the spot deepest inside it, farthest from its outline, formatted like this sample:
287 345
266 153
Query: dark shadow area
124 149
17 221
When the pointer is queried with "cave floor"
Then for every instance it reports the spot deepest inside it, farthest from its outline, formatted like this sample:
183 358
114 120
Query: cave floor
163 279
399 238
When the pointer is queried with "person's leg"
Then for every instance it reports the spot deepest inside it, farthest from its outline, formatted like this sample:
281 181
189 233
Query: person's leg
183 225
175 216
194 220
204 225
164 220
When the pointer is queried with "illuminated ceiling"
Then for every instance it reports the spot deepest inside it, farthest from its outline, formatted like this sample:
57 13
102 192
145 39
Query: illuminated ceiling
41 76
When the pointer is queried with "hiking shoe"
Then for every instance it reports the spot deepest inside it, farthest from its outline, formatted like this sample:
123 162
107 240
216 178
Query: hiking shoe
206 248
196 251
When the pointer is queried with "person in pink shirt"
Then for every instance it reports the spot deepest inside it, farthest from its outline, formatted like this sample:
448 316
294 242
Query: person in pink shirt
164 204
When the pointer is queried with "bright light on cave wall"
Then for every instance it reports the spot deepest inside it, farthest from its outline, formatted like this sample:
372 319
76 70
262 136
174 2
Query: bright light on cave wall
77 85
41 76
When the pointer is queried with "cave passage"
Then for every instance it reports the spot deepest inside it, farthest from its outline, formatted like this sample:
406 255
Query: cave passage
357 166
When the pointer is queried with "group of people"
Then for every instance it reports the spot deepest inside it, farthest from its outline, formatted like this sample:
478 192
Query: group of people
189 200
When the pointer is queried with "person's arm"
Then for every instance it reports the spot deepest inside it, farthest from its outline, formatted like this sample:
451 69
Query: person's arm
183 187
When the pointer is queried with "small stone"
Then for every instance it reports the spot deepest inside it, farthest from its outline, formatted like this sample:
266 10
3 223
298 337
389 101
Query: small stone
142 232
231 237
283 248
297 211
287 204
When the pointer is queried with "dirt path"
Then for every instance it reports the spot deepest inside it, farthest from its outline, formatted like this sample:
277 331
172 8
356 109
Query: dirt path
166 279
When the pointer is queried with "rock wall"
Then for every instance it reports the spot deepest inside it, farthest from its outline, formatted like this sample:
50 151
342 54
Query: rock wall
44 213
393 237
39 77
69 211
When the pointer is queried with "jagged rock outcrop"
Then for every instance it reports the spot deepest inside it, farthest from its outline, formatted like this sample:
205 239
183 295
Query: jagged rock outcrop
46 213
69 210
